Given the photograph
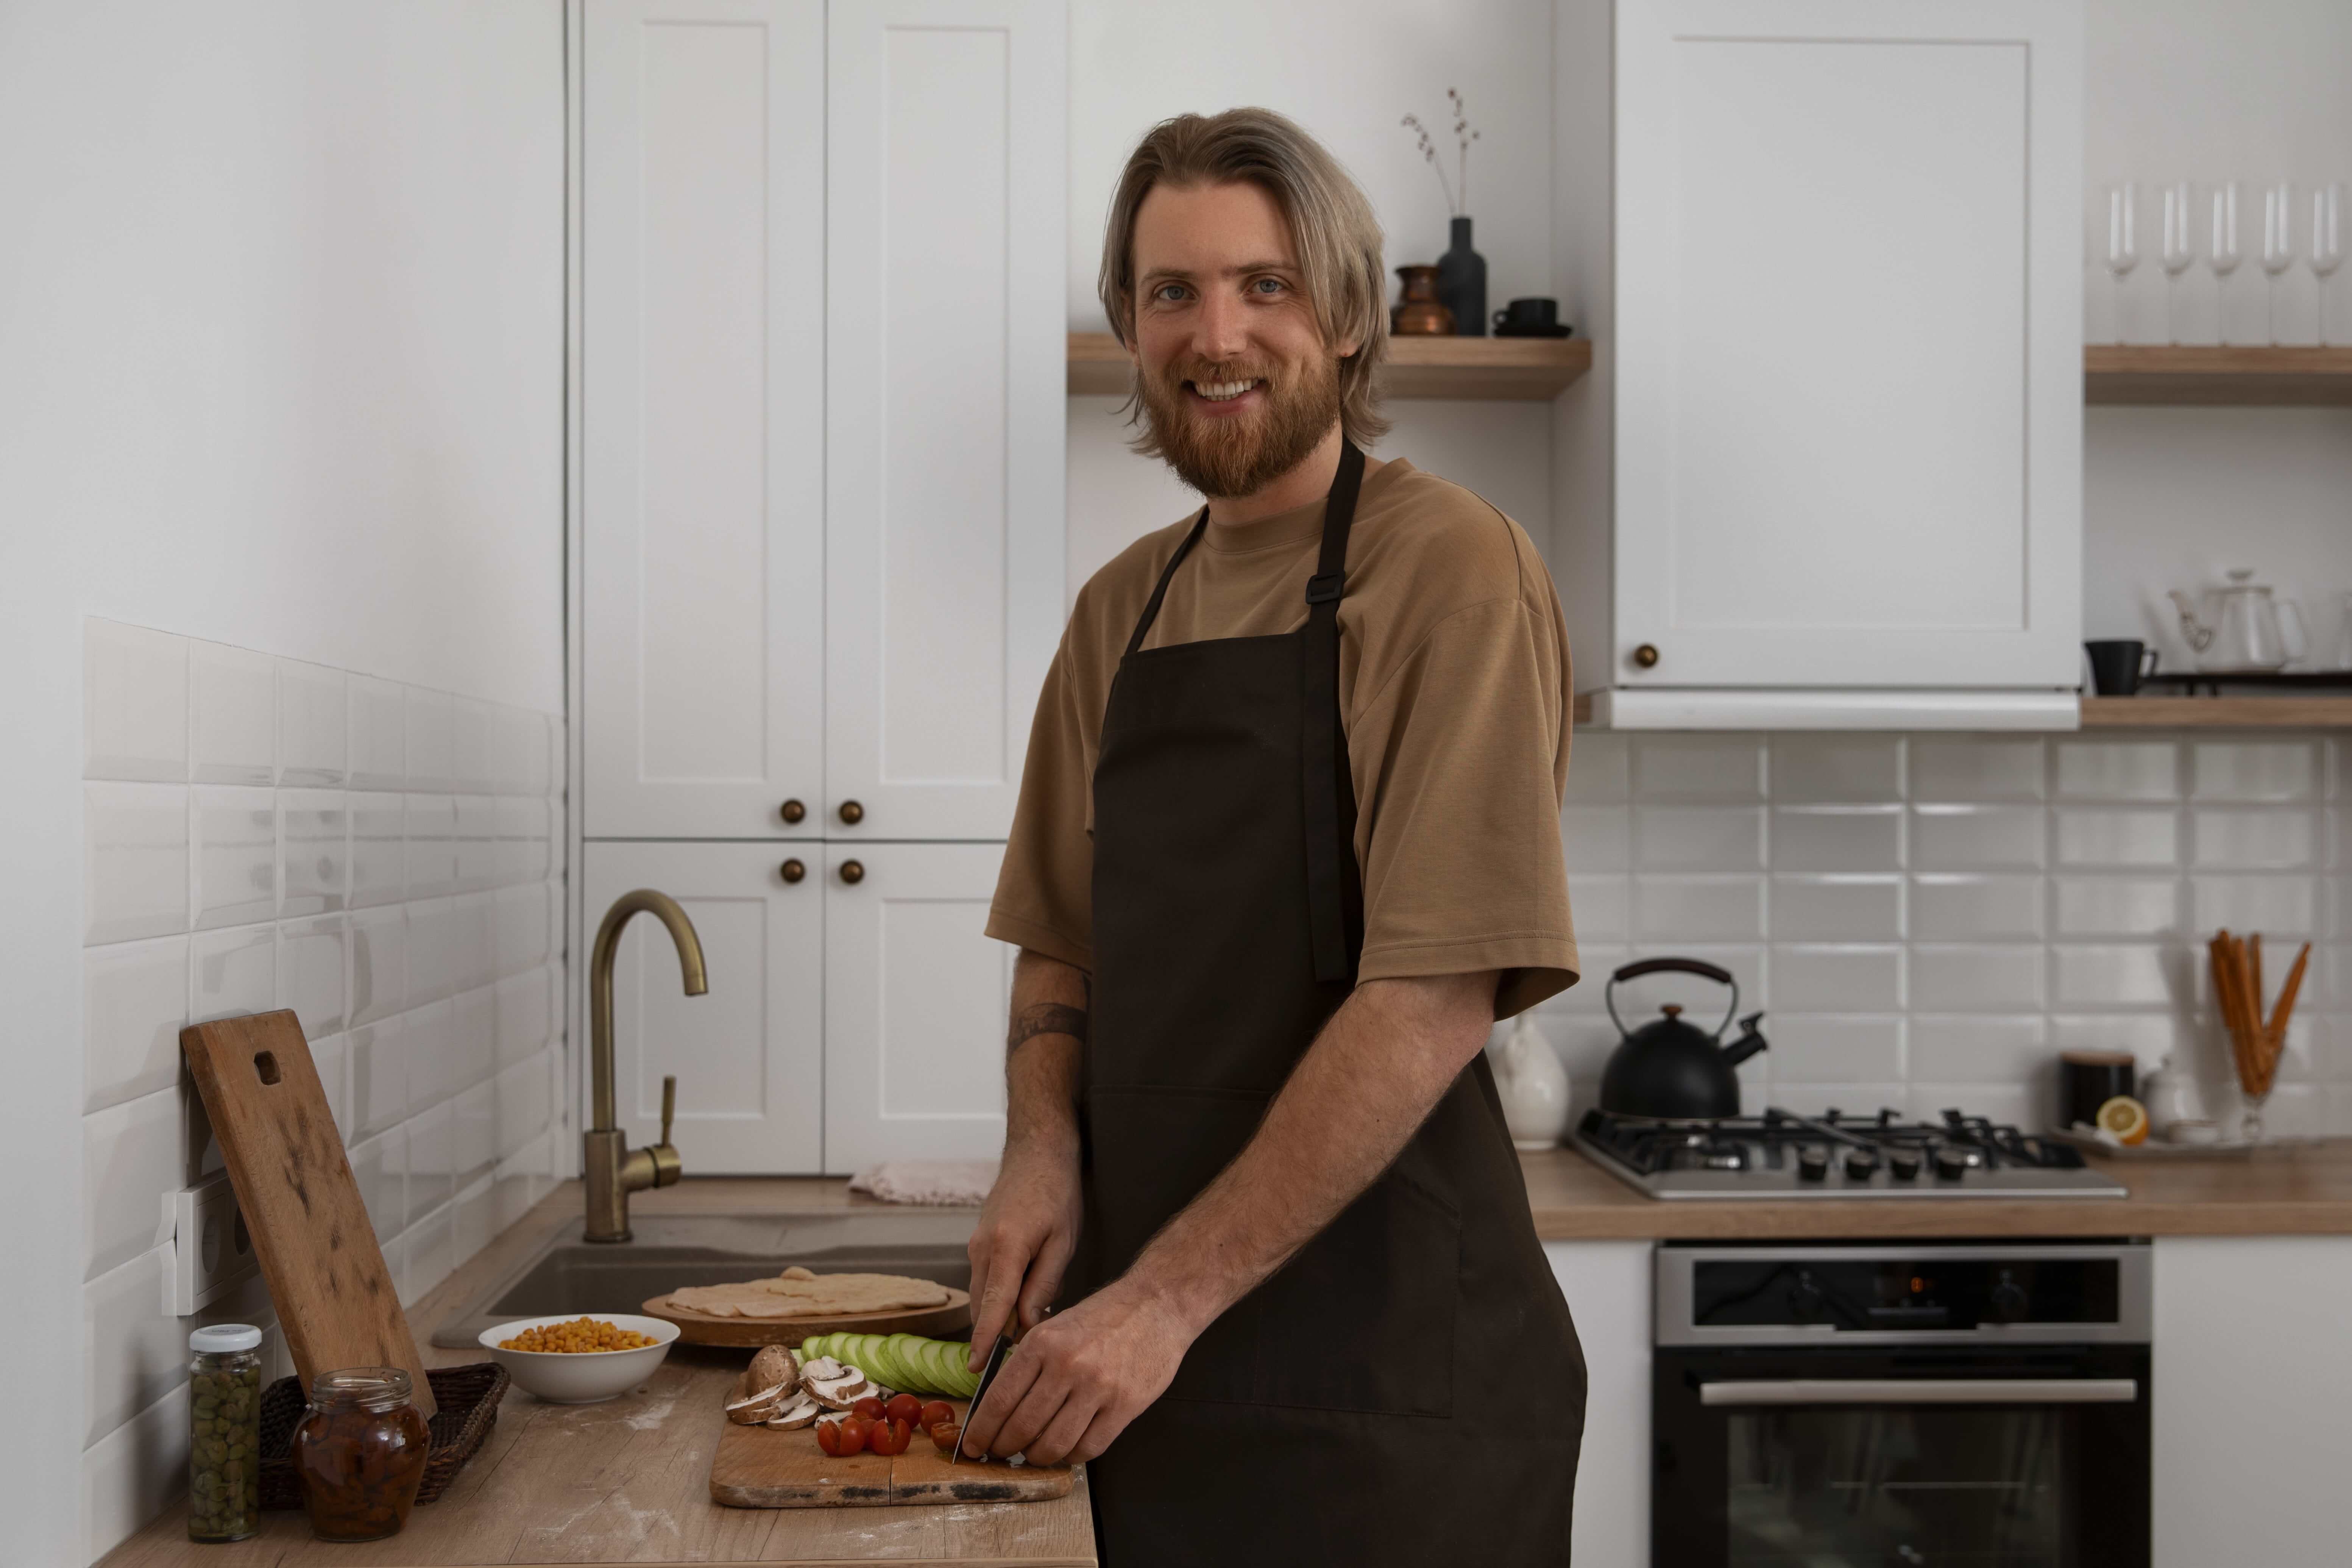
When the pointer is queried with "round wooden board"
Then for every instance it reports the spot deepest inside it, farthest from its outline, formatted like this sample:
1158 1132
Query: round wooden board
942 1321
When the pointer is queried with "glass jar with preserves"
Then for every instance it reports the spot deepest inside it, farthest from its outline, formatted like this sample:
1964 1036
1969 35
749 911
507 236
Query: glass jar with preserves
225 1432
359 1453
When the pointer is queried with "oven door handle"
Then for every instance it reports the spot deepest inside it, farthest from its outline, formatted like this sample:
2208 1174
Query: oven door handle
1923 1391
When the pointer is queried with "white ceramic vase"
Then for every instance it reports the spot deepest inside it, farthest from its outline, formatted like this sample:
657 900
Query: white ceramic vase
1533 1086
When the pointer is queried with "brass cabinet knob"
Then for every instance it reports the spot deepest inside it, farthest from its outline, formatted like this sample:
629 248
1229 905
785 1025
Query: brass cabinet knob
852 812
792 870
852 871
1646 655
792 811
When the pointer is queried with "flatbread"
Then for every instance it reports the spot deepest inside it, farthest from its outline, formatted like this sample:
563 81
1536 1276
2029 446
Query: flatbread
797 1293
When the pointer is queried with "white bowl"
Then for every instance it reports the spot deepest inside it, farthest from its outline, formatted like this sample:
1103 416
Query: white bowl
581 1377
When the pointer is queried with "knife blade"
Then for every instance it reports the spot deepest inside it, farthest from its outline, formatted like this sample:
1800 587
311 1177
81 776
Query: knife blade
997 1352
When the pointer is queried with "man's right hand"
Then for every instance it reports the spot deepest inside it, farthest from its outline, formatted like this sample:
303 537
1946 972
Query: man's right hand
1028 1231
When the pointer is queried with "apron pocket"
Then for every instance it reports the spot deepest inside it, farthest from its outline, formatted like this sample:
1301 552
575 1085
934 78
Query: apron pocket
1361 1318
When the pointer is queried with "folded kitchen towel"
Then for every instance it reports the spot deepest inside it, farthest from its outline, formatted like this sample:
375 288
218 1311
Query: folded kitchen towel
956 1183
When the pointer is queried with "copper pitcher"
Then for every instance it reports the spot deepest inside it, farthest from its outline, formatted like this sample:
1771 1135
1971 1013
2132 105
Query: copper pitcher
1419 313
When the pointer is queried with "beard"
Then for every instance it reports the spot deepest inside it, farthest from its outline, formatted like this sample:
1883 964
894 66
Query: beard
1227 457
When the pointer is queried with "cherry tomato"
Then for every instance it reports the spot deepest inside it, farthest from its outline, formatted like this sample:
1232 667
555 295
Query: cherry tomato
889 1436
944 1435
867 1409
905 1407
828 1437
931 1414
855 1435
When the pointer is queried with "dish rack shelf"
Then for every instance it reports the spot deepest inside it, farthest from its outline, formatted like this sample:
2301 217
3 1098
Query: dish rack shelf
2257 376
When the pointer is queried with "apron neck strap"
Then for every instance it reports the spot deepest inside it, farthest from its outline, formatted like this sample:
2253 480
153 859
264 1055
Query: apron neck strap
1331 894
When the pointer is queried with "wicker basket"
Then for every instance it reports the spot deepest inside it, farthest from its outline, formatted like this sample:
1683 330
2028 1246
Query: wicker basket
468 1400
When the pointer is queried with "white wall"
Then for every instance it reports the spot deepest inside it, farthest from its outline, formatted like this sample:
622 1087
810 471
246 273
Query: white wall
280 367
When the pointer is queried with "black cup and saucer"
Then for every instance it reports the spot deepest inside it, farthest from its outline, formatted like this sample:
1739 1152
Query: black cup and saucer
1536 318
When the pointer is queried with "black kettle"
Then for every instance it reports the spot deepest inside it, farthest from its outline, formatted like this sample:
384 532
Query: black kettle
1670 1069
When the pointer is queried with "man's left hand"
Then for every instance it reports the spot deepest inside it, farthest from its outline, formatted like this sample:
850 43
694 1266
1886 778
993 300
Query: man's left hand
1080 1376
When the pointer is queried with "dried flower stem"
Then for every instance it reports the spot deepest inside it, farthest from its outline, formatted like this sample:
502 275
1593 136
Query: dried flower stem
1458 190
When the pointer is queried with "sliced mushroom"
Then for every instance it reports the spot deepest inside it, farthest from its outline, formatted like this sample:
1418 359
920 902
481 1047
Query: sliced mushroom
834 1386
795 1413
751 1409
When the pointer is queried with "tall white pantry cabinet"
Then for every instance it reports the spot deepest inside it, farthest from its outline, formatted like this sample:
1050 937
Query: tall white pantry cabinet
820 576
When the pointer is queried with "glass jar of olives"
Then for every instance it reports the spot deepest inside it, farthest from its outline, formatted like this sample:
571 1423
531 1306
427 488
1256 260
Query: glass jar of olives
359 1453
225 1432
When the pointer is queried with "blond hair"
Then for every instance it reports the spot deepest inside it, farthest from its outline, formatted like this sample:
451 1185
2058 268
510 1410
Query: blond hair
1331 223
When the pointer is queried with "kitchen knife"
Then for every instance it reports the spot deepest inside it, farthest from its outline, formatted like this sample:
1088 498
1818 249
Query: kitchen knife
1002 1348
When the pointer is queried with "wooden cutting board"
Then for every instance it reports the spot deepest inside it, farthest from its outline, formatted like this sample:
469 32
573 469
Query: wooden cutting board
943 1321
758 1466
335 1298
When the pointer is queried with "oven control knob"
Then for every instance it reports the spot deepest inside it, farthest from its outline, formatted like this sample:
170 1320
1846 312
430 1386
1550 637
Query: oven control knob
2009 1302
1806 1300
1812 1163
1951 1165
1861 1164
1903 1165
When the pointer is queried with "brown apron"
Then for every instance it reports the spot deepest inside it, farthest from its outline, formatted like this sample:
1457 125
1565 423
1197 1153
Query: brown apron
1408 1389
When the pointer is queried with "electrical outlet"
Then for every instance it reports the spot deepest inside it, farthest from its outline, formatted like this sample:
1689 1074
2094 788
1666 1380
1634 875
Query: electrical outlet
208 1250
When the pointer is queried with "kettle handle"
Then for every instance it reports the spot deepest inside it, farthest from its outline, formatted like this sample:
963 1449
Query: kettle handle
1697 966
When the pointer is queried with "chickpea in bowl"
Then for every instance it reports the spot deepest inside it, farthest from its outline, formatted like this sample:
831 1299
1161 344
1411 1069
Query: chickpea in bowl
577 1359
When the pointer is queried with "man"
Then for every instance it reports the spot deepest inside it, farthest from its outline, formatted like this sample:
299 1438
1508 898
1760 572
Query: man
1287 843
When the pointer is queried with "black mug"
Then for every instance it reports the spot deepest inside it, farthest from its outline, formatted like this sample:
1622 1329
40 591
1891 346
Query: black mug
2118 665
1532 317
2088 1079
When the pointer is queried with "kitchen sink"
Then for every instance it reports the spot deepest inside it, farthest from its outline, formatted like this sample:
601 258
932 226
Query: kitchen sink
569 1275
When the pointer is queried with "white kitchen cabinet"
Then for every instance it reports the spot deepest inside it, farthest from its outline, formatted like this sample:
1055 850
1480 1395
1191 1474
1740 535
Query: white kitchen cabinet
749 1054
944 405
1608 1284
2252 1375
821 363
1838 420
915 1003
703 361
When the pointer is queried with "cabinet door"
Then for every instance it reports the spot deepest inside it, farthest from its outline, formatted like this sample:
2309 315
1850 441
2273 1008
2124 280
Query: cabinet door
1849 356
915 1004
702 400
945 409
748 1053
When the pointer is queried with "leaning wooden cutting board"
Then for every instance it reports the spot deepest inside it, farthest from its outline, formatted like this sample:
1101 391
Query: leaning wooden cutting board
335 1298
758 1466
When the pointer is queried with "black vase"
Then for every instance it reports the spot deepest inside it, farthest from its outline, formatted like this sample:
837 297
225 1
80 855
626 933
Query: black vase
1462 283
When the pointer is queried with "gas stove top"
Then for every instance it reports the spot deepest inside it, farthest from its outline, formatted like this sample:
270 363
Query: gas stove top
1782 1155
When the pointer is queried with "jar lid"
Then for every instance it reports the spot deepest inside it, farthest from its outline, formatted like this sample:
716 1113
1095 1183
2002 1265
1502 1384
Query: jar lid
223 1338
372 1386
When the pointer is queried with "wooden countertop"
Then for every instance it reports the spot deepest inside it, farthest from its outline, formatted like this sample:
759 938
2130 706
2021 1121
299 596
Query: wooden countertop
628 1480
2295 1189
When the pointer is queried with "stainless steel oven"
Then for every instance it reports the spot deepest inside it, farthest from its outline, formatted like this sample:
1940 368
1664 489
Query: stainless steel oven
1980 1403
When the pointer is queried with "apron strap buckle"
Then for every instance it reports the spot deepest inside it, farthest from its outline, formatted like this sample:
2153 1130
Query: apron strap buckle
1326 586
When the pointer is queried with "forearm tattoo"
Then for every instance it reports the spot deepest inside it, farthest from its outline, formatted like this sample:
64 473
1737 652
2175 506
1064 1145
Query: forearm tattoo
1046 1018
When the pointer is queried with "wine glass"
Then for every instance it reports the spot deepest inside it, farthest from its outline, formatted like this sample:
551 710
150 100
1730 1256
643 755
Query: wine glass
2326 243
2177 248
2123 239
2278 242
2223 250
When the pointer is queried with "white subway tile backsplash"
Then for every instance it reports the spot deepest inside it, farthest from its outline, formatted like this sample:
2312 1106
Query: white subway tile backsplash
473 1036
519 751
1831 1048
332 1056
473 1219
474 1136
2116 906
2254 840
134 703
522 842
432 833
523 1017
1977 838
1698 838
429 1157
134 861
1599 769
1697 767
474 842
1978 1048
1602 905
379 733
311 974
2119 976
427 1040
1704 908
1837 768
234 843
378 849
1957 907
379 972
313 726
1975 768
2269 771
1825 839
425 1256
314 830
523 1104
2276 905
1836 908
232 715
2090 837
232 973
434 943
134 1004
1959 979
521 932
379 1079
379 1170
2118 770
470 771
130 1153
2020 1104
1596 837
431 716
1845 978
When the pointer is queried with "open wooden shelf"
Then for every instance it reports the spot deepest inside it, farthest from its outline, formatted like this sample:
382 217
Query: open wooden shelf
1523 370
2216 712
2257 376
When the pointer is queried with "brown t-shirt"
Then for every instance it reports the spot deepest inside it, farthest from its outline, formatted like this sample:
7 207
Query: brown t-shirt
1452 687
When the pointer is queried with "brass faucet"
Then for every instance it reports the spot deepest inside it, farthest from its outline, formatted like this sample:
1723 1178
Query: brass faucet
612 1171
